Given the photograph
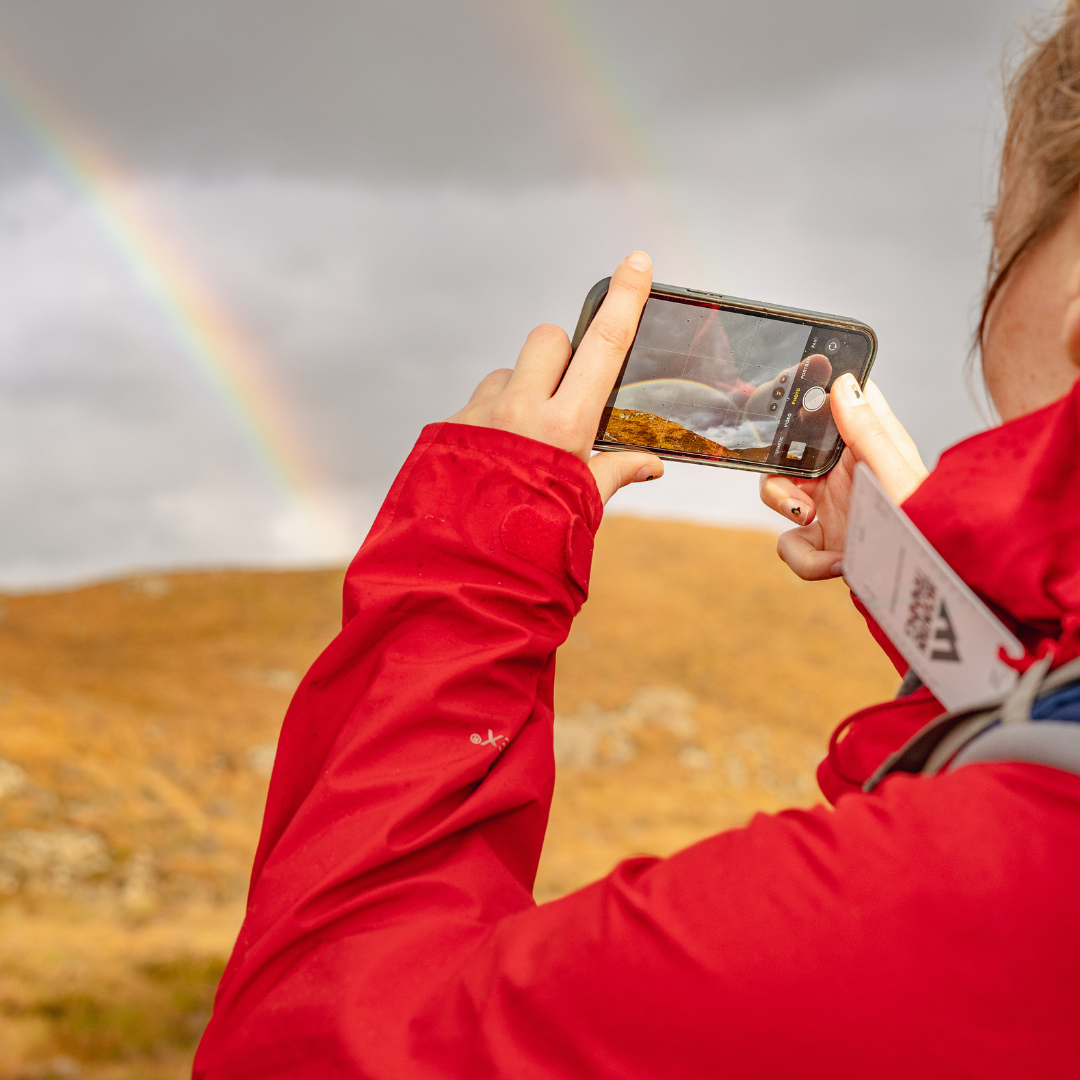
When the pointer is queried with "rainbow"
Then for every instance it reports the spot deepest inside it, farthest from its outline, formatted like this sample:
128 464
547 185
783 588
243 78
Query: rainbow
225 361
598 103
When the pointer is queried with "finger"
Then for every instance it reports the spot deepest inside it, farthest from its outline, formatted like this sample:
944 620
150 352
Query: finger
615 469
862 429
904 443
801 550
489 386
596 364
780 494
542 361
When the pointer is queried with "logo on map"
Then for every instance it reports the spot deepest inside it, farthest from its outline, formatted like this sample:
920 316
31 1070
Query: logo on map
928 623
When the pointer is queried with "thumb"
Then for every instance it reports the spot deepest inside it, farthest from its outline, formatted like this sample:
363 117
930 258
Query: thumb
874 441
614 469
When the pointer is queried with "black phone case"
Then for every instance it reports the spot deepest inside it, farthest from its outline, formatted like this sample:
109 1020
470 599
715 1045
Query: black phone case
596 298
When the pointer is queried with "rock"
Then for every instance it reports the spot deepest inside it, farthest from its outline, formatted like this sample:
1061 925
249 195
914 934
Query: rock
60 1067
54 860
260 759
594 737
139 895
13 779
694 757
153 588
220 807
280 679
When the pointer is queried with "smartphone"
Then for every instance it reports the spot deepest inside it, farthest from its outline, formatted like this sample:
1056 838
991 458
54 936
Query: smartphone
717 380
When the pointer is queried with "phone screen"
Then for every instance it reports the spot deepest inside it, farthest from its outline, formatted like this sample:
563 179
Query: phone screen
726 384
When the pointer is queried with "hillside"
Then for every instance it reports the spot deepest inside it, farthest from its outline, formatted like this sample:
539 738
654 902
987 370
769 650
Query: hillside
137 729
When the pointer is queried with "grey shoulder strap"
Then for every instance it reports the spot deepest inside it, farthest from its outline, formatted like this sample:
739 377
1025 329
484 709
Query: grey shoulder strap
997 730
1047 742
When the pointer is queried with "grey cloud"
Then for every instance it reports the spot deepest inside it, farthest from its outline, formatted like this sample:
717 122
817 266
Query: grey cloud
387 197
480 90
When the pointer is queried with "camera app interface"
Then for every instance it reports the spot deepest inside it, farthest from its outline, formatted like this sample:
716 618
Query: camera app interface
723 384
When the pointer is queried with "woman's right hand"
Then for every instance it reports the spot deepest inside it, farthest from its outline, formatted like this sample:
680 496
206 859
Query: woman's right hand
556 399
873 435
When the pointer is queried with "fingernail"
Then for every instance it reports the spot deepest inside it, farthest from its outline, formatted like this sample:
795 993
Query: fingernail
836 569
639 261
850 390
646 472
792 508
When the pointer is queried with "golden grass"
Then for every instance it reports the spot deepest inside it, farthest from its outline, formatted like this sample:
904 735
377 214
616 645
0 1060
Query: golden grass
143 712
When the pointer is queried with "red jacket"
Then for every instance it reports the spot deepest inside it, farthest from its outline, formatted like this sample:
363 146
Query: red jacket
929 929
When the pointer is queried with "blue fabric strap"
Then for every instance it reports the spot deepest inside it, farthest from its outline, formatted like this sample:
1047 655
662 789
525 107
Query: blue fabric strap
1063 704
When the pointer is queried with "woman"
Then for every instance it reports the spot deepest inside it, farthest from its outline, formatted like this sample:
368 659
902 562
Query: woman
927 928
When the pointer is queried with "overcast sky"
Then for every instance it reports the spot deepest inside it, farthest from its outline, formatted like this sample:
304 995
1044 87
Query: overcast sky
386 197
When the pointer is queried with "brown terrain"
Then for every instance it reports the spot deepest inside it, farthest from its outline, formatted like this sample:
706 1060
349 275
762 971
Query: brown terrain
137 728
648 429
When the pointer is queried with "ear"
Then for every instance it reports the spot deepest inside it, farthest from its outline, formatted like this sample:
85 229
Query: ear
1070 330
1070 325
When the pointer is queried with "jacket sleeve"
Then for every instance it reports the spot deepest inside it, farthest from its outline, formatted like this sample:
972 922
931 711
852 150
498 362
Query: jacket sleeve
414 772
391 931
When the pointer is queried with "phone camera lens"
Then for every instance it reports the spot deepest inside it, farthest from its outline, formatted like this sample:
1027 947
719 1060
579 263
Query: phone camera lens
833 346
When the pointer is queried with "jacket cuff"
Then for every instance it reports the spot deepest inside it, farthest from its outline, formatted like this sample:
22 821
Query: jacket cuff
507 496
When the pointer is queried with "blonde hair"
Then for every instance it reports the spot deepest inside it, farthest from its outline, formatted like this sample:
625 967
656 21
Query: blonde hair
1040 155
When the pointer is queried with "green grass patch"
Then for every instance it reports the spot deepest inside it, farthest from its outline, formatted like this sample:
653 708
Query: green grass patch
165 1009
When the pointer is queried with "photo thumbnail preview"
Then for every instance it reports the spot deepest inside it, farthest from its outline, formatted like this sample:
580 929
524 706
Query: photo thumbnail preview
717 383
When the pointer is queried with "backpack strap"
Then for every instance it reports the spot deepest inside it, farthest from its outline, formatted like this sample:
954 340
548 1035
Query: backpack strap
999 729
1045 742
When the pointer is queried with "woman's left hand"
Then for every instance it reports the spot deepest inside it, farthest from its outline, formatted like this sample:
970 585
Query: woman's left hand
530 400
873 435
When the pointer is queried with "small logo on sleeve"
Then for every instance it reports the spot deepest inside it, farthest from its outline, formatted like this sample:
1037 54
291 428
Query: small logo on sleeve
498 741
